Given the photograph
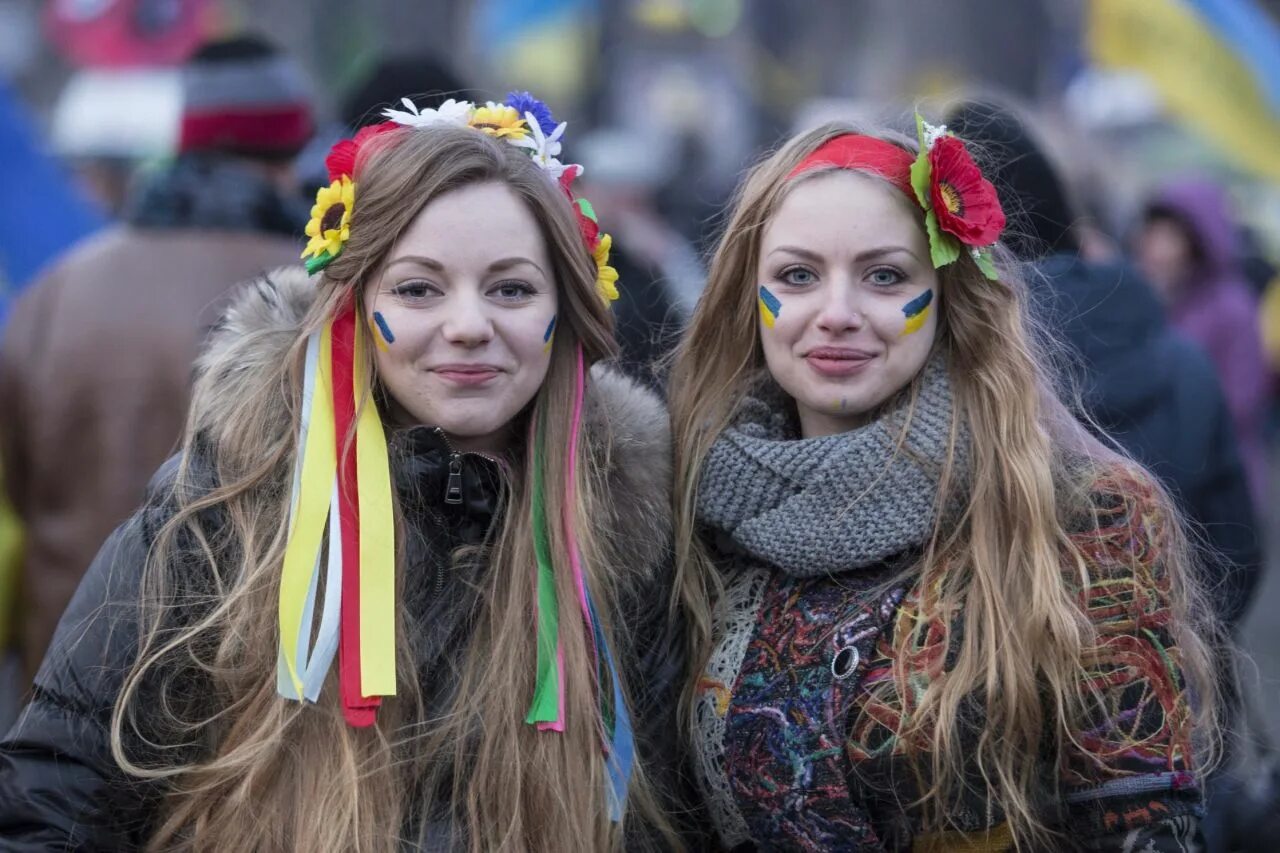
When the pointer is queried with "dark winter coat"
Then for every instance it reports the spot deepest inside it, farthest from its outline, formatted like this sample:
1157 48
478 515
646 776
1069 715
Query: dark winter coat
1156 393
59 785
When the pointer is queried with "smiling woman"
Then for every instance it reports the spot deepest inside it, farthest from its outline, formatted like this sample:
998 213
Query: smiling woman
931 612
467 285
844 255
397 590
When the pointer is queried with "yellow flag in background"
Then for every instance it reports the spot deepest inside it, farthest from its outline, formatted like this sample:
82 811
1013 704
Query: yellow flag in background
1203 83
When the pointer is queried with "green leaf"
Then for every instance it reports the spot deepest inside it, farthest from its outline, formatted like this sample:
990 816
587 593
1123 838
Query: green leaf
921 172
943 248
587 210
315 263
983 258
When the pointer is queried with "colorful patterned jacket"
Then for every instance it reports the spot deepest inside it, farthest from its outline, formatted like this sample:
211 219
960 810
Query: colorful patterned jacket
798 709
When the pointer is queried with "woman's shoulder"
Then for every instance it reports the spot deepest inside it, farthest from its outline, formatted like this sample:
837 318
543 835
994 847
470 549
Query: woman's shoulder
1106 494
242 355
632 450
1124 537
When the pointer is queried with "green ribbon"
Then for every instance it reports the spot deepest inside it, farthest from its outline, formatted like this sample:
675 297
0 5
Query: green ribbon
546 690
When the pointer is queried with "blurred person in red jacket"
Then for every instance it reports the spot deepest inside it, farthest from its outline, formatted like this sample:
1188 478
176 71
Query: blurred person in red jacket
96 360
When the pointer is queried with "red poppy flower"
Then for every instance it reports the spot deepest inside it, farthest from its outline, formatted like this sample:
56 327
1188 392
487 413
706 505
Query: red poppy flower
589 227
965 203
567 177
342 156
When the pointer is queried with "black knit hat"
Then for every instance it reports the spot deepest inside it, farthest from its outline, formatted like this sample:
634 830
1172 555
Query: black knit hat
1033 196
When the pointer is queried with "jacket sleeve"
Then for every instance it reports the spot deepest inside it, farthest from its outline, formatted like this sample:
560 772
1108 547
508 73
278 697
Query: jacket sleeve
60 788
1129 774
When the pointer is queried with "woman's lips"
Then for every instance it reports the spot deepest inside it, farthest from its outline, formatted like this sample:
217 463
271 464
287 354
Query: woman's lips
466 374
837 361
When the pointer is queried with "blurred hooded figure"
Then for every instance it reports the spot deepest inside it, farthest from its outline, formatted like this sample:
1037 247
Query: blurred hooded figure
96 361
1149 388
1189 247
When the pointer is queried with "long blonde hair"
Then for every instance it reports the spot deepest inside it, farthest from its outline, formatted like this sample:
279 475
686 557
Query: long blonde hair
1008 563
247 770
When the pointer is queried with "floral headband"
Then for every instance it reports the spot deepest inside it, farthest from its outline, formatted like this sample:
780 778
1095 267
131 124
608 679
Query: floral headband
961 208
522 121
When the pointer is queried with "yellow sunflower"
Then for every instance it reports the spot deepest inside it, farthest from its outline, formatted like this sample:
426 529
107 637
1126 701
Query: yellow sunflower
500 121
330 224
606 276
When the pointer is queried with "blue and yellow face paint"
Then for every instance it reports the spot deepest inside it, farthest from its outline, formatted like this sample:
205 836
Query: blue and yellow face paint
381 331
548 337
770 307
916 312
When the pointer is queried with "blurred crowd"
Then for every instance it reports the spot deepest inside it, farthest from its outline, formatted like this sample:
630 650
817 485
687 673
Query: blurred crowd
145 198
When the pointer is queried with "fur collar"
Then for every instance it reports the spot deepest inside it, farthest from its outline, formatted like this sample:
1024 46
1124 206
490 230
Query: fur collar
625 425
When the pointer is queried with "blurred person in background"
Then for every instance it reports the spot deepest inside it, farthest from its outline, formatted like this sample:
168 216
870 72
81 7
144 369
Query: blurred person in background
107 123
1188 245
1146 386
96 360
661 270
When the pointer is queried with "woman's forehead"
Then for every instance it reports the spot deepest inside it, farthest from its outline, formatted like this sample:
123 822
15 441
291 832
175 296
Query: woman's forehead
842 212
474 225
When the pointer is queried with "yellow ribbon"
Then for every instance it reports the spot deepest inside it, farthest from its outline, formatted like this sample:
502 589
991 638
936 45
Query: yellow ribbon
377 542
318 469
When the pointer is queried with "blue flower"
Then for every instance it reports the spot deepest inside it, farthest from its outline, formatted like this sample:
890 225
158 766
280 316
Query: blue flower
523 102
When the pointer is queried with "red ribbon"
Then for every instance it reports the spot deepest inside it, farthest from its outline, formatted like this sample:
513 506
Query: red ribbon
359 710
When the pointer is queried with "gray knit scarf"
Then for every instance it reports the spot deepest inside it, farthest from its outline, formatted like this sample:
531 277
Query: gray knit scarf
826 505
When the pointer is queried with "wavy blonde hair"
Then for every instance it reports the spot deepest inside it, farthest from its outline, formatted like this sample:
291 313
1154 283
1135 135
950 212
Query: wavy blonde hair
1008 563
248 770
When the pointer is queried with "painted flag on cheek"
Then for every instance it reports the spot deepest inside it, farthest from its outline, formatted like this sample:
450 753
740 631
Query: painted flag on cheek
770 307
916 312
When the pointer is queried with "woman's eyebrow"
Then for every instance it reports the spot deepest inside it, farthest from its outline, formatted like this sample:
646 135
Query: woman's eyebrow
813 257
881 251
421 260
861 257
514 261
499 265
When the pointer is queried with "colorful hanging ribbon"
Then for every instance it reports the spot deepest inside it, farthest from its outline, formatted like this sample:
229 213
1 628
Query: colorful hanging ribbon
547 710
334 484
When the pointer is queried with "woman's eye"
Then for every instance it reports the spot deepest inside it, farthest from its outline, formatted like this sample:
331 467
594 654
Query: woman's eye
885 276
512 290
798 276
413 290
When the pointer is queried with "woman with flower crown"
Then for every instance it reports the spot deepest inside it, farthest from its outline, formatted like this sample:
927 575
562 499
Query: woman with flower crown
944 616
402 587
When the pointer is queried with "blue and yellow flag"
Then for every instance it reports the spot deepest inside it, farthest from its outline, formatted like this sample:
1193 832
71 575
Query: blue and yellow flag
1197 71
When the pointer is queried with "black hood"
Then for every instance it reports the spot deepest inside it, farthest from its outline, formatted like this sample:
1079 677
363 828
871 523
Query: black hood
1109 316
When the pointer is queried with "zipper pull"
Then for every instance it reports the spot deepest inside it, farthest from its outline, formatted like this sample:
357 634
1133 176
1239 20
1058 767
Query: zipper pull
453 491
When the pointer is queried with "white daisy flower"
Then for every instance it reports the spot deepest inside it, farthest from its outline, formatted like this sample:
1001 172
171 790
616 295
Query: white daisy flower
450 112
543 149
